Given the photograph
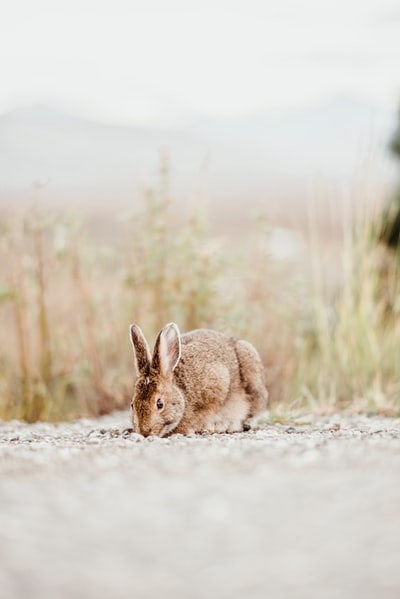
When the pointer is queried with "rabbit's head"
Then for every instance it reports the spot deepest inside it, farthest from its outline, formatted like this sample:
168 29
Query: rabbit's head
157 403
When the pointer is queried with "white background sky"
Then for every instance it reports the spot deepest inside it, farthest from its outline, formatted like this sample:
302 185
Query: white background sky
156 61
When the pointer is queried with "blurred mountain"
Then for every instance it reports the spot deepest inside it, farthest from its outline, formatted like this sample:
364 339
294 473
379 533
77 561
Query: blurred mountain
252 158
76 153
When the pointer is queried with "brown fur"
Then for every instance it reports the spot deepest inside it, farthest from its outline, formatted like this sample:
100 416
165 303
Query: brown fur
207 381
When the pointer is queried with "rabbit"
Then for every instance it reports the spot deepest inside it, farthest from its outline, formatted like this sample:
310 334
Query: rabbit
201 381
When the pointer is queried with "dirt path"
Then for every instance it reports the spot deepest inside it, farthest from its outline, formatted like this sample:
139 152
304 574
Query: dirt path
298 511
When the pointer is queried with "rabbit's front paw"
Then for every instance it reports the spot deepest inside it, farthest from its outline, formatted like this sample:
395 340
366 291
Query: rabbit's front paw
236 426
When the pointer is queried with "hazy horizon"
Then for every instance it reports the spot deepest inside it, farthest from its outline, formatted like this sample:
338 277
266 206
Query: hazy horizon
158 64
237 157
255 102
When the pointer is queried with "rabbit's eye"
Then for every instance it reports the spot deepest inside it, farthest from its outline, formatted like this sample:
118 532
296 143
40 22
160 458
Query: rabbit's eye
160 404
131 405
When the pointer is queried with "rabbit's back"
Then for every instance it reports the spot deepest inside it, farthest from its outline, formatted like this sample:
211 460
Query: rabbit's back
205 355
221 374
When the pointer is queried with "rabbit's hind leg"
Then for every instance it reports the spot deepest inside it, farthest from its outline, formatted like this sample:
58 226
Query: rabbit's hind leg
252 376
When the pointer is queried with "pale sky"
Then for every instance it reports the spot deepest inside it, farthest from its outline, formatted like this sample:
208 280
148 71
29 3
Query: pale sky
161 61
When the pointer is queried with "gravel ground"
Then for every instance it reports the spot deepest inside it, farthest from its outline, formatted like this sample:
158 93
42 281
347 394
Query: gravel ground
300 510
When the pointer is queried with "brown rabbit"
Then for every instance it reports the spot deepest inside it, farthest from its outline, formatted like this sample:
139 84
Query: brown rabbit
199 381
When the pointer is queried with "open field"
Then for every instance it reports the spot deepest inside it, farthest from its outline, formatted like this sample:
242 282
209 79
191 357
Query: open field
320 303
304 506
305 509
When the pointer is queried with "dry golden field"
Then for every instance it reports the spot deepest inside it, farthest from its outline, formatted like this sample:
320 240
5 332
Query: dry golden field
309 285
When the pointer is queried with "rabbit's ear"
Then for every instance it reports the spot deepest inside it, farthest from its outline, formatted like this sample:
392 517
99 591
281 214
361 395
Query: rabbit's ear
140 349
167 349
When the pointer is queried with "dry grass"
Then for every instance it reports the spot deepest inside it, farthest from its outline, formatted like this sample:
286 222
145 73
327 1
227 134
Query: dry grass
350 357
66 303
